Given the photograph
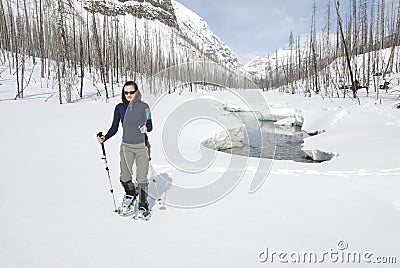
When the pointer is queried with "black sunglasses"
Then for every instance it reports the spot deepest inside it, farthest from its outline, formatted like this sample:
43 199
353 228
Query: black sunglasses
130 92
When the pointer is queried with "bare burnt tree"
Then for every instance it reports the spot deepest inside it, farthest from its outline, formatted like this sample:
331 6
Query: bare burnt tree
347 55
99 54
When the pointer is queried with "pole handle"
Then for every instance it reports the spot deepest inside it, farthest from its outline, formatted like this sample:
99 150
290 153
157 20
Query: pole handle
100 134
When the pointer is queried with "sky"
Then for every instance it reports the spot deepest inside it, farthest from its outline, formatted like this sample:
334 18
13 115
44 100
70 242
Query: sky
257 27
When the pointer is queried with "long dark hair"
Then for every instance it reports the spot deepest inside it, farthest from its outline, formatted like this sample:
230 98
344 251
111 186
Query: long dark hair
138 95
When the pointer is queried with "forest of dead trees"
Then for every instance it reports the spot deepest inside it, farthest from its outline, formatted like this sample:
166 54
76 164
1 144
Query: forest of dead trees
351 44
72 42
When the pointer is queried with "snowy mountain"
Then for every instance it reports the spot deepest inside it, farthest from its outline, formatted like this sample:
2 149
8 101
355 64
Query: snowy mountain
173 14
197 30
160 10
259 66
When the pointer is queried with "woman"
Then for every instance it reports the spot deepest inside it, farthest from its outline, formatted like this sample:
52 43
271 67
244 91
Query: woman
135 126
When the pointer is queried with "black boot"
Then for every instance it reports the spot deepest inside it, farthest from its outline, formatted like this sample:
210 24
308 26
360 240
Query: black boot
143 204
129 187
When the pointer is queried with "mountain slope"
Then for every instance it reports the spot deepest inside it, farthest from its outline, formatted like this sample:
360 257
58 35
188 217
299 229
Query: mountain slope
160 10
199 32
173 14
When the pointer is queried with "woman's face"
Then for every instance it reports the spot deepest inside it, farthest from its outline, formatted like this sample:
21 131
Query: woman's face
129 92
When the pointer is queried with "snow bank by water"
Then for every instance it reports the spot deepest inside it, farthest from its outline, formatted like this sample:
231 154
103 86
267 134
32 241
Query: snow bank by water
318 155
291 117
228 139
282 116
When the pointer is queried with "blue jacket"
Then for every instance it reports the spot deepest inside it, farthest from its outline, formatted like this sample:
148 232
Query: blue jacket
137 114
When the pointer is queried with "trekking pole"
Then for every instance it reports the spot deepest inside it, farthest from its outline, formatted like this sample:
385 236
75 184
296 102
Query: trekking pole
155 184
100 134
147 147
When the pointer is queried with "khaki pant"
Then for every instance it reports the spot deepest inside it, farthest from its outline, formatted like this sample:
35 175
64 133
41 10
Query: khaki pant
130 153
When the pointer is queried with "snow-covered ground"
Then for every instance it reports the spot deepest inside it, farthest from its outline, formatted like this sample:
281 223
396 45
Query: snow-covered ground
56 209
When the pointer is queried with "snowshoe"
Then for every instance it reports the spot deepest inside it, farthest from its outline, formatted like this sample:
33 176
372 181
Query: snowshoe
143 212
127 207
